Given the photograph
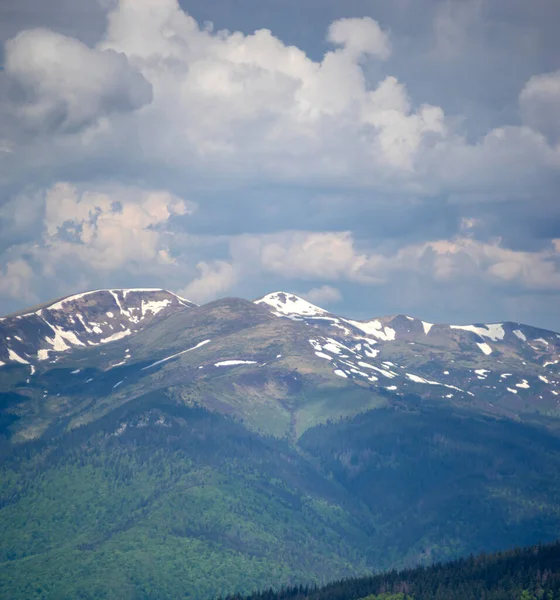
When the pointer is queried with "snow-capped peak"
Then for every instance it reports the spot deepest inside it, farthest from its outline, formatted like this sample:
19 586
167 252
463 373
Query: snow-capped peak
122 292
285 304
86 319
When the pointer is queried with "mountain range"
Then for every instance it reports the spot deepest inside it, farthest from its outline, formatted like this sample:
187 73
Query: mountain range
154 448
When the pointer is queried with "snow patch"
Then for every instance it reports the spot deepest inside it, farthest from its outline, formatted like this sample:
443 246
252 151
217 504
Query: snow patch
84 324
418 379
230 363
493 331
118 303
154 306
371 352
334 347
520 335
163 360
485 348
427 326
116 336
316 344
374 328
384 372
16 358
61 337
43 354
340 373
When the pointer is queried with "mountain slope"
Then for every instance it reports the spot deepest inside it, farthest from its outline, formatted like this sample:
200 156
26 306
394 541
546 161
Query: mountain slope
503 367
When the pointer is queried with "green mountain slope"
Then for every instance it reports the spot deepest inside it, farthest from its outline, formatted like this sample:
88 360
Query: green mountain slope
161 500
178 500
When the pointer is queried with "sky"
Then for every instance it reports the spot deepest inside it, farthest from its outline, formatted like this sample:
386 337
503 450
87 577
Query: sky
373 156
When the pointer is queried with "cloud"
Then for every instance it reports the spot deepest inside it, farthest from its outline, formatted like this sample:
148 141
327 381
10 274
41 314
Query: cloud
326 294
66 85
302 255
540 104
468 259
16 281
108 231
360 36
334 256
214 280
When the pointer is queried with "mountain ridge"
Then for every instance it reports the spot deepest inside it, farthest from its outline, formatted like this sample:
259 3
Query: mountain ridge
289 305
282 353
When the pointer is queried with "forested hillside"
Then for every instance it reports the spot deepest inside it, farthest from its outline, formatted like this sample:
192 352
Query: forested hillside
160 500
531 573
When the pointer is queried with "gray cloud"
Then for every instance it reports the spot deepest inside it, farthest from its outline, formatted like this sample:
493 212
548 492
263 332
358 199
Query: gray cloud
65 85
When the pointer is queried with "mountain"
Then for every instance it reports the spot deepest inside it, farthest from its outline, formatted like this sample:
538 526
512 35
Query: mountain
528 573
152 448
